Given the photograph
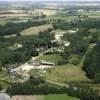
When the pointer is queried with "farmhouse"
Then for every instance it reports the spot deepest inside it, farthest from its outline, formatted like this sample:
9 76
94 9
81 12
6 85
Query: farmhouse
47 63
16 45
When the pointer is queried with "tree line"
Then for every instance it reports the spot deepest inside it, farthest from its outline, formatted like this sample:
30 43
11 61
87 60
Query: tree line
37 85
92 63
16 28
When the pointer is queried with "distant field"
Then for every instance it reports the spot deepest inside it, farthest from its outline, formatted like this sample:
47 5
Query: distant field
41 97
13 15
47 12
66 72
36 30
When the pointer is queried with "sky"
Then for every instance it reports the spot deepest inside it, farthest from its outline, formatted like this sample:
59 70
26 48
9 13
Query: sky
49 0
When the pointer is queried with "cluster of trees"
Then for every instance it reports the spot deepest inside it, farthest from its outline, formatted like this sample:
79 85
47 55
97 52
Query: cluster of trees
92 63
77 47
86 23
83 92
1 87
47 37
15 57
28 49
89 23
34 86
16 28
77 44
64 25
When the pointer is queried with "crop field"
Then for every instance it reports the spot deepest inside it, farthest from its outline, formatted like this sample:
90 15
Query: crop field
35 30
45 97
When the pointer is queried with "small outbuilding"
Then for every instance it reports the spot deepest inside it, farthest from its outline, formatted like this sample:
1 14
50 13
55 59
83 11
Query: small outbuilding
47 63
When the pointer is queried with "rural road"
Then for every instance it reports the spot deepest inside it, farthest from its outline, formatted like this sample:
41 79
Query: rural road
56 83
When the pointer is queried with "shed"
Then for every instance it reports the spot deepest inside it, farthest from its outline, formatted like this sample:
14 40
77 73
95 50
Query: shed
47 63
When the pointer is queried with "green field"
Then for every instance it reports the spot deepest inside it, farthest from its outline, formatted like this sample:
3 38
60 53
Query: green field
45 97
52 58
59 97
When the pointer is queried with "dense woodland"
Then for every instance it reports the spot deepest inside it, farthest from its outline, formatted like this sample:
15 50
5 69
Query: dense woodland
92 63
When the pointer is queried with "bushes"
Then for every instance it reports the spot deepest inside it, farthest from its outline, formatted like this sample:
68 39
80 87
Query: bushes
74 59
62 61
82 92
34 86
36 81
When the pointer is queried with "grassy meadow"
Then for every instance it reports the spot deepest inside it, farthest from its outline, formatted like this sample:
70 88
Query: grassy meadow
66 73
